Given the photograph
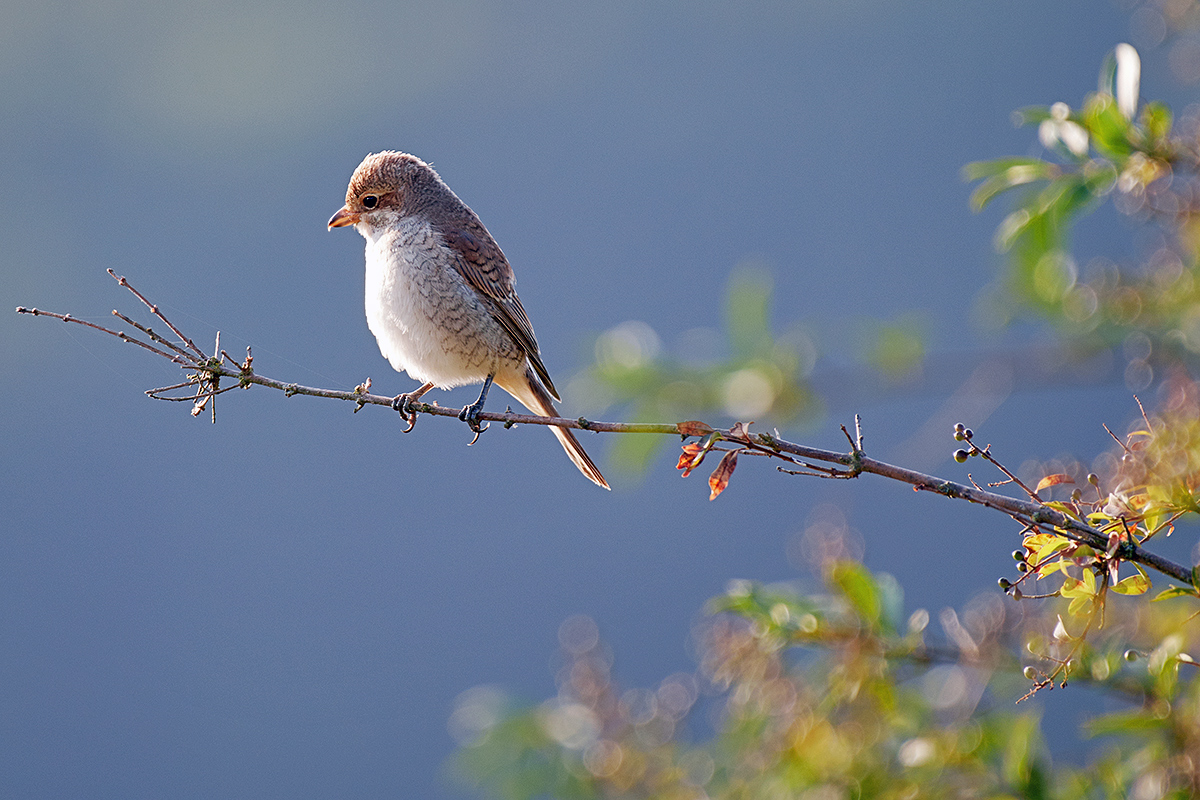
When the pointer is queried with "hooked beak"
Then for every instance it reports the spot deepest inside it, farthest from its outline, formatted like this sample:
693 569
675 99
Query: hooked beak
342 218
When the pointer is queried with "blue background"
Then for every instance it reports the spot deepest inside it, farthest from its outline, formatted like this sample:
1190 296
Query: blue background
287 603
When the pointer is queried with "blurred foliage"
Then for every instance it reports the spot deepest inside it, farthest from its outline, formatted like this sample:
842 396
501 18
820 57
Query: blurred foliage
1113 148
835 693
1148 165
742 371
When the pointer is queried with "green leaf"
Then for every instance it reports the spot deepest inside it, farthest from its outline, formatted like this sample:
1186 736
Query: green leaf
1077 605
1074 588
1175 591
1013 227
859 587
1075 196
1134 584
747 310
1156 122
1109 129
1065 509
1002 174
1039 556
1138 722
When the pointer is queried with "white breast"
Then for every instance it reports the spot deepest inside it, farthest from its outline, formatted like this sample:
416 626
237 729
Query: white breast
427 321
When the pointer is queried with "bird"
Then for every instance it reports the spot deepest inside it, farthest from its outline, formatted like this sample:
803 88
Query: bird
439 294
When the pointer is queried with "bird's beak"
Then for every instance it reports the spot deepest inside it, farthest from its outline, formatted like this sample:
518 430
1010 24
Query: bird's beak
342 218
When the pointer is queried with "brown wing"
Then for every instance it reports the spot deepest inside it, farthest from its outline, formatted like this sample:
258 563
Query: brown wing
486 269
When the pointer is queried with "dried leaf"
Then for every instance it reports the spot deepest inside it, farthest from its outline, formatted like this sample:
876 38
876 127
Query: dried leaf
1053 480
694 428
693 454
741 431
720 476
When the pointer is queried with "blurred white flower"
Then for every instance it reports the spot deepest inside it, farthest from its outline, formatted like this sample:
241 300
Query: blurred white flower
1059 128
1129 77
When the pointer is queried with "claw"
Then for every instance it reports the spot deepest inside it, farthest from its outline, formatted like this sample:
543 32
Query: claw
470 414
403 402
478 431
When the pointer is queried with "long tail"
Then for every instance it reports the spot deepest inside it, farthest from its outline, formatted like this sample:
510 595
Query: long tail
534 396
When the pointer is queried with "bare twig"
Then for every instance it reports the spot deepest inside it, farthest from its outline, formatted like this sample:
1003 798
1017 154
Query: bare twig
209 370
154 310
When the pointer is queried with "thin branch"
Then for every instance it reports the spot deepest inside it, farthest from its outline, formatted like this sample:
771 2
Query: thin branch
154 310
1030 513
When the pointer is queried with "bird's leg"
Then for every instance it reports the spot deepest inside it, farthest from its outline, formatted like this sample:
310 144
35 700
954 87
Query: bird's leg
403 404
470 414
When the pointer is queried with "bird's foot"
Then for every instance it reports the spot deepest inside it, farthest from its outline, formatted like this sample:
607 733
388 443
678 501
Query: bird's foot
470 415
402 403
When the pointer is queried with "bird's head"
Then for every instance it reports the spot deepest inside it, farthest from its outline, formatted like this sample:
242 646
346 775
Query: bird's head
385 187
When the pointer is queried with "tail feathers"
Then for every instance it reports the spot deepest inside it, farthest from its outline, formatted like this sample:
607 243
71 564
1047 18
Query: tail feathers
534 396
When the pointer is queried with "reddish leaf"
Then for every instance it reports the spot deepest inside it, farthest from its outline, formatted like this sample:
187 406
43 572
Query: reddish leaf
1053 480
720 476
693 454
694 428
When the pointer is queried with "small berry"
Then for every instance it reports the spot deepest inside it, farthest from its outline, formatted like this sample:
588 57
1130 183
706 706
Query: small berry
1076 496
1004 583
1018 555
1030 673
961 456
968 433
959 427
1022 566
1130 655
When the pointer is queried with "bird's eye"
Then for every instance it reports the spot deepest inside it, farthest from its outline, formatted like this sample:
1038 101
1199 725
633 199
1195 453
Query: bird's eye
370 200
